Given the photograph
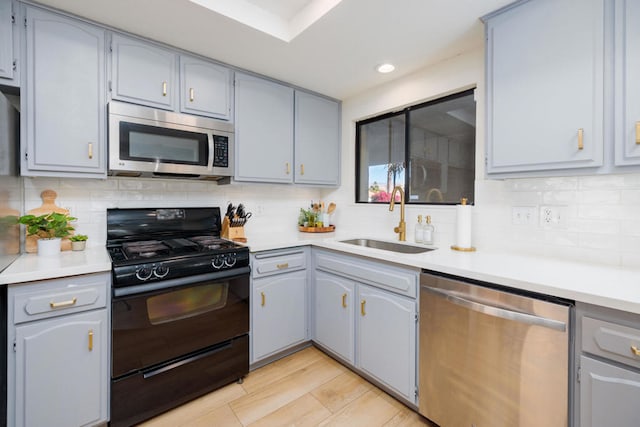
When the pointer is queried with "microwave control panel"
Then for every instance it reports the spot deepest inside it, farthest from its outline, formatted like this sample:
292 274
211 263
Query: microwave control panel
220 151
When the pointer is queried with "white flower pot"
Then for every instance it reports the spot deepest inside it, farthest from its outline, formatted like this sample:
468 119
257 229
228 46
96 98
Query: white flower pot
49 247
78 246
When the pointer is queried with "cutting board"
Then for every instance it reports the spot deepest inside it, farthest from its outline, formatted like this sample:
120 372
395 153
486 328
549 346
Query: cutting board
48 206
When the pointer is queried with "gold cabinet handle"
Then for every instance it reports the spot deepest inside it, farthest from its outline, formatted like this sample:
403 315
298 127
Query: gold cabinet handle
638 133
263 299
288 168
91 150
344 300
362 303
635 350
580 139
301 169
90 339
191 94
164 88
282 266
62 304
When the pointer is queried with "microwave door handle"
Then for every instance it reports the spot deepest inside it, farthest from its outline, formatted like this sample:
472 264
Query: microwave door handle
211 148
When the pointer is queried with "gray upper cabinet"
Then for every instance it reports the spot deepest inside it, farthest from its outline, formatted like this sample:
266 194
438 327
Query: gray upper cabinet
143 73
545 86
64 97
317 140
205 88
264 130
7 55
627 83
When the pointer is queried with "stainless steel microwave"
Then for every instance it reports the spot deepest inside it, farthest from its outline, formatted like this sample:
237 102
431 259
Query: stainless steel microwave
145 141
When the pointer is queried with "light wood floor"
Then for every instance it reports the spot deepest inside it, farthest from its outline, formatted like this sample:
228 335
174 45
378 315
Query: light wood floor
307 388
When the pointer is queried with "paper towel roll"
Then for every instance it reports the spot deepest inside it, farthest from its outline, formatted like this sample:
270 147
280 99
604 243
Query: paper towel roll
463 226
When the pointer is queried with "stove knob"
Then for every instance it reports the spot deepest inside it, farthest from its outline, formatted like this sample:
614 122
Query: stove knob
160 271
143 273
230 260
218 262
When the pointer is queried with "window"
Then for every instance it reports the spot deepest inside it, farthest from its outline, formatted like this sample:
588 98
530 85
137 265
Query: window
427 149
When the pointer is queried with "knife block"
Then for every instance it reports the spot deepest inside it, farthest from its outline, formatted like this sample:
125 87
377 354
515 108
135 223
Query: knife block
233 233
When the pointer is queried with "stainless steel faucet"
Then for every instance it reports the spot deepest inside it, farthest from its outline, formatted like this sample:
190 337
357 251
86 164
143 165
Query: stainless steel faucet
401 229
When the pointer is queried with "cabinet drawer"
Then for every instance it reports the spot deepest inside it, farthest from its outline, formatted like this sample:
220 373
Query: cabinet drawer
388 277
39 300
610 340
267 263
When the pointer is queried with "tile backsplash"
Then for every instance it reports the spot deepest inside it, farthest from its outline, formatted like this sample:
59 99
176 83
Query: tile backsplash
599 215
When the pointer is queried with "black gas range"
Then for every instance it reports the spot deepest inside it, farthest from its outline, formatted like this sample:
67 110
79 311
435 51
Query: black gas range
180 309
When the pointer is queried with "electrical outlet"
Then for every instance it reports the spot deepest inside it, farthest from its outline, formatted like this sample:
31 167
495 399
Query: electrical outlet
552 216
523 215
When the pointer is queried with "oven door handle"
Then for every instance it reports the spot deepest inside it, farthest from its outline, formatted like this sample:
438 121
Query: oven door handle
153 372
182 281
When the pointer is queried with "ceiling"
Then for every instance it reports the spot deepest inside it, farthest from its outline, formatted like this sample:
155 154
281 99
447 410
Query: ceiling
333 46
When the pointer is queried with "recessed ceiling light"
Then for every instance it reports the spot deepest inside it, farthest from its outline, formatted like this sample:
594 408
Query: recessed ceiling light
385 68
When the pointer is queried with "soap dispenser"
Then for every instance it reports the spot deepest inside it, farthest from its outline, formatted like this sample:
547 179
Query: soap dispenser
428 231
419 233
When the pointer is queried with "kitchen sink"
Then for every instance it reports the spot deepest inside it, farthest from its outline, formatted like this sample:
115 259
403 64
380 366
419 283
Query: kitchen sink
388 246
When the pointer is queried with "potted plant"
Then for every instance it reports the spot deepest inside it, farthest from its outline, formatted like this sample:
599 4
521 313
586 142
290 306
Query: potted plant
78 242
50 228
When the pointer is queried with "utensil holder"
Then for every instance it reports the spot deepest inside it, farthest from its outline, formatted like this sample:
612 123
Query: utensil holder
233 233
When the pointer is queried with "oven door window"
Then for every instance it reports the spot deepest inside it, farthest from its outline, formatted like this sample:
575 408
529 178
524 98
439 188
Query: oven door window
185 303
162 145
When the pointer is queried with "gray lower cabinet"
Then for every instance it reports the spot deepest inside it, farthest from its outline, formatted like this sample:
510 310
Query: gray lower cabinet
542 117
8 43
317 140
205 88
264 130
609 367
365 313
278 302
63 99
58 361
143 73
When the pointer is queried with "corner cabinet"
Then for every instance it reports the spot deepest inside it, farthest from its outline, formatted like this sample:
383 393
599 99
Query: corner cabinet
9 43
58 362
545 86
63 99
264 130
278 302
317 140
365 313
627 84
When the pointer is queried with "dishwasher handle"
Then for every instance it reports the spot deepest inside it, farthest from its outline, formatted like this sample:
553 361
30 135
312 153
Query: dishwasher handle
529 319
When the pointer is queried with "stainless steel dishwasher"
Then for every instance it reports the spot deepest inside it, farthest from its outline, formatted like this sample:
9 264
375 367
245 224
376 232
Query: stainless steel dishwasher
490 357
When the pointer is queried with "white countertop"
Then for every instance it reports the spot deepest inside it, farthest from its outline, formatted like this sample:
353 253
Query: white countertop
612 287
30 267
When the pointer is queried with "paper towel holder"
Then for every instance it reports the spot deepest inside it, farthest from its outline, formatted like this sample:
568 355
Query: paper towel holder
463 202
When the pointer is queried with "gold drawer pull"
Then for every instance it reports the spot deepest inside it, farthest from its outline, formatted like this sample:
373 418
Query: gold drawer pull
90 150
580 139
635 350
362 303
282 266
344 300
301 169
288 168
191 94
263 299
638 133
164 88
61 304
90 339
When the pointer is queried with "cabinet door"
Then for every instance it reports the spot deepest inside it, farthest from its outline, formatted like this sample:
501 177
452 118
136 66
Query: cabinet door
609 395
334 314
6 40
545 86
627 92
205 88
279 313
264 130
386 339
317 140
143 73
62 373
64 97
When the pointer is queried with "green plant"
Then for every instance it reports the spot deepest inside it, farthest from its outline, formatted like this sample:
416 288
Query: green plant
79 238
48 226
